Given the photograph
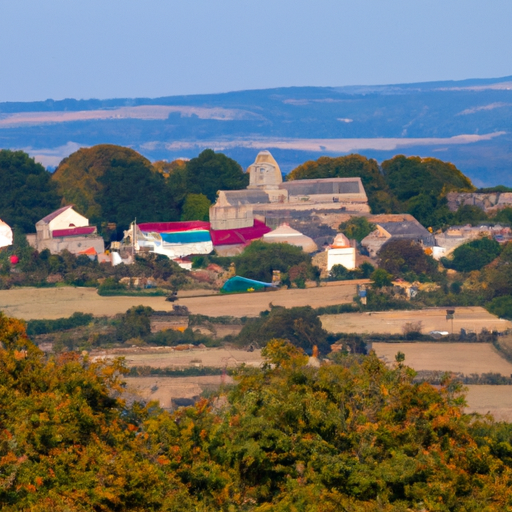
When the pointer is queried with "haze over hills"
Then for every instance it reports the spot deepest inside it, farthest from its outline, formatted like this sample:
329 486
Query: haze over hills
466 122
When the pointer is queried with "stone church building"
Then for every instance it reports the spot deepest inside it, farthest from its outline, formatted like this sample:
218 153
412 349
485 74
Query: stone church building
267 197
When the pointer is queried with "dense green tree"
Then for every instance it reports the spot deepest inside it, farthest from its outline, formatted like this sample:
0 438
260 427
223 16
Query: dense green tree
196 207
78 175
469 214
406 258
259 259
503 216
210 172
111 183
420 186
135 323
27 193
501 307
132 190
408 177
300 326
339 272
473 255
381 278
356 228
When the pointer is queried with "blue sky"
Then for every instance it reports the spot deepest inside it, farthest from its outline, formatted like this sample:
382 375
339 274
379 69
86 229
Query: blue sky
134 48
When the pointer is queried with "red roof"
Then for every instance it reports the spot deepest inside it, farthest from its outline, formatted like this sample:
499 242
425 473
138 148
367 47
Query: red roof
240 235
169 227
85 230
56 213
90 251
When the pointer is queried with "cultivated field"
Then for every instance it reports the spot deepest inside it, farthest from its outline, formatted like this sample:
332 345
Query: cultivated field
496 400
391 322
49 303
166 357
465 358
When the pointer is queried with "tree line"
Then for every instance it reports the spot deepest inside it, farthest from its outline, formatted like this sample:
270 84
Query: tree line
114 185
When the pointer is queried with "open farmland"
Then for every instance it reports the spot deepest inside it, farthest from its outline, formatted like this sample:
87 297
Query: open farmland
434 319
167 357
496 400
51 303
465 358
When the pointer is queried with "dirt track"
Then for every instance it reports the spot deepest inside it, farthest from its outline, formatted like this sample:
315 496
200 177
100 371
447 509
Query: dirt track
474 318
38 303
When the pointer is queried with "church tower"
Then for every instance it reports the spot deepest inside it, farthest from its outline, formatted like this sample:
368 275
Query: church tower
264 172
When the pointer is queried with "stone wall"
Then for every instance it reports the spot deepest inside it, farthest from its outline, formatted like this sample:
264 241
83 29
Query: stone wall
488 202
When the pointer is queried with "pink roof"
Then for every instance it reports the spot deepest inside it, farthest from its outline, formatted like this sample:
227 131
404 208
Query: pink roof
85 230
169 227
240 235
56 213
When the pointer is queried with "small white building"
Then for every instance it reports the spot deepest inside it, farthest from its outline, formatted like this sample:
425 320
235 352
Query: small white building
341 253
5 234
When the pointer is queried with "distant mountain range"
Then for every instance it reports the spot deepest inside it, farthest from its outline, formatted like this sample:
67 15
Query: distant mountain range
466 122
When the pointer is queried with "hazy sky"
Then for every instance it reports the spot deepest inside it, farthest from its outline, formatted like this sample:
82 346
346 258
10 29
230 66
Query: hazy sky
134 48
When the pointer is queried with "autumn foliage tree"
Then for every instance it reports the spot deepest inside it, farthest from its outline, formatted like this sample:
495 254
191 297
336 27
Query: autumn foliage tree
350 435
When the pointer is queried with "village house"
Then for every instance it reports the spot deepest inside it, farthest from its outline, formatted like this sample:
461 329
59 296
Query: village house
405 230
66 229
455 236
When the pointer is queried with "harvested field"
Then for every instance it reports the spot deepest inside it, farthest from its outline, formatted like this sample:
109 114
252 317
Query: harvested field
496 400
465 358
166 389
391 322
166 357
50 303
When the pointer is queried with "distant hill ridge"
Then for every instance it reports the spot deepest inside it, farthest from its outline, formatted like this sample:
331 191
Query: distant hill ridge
467 122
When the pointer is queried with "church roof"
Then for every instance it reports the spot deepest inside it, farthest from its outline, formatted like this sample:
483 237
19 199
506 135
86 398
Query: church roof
241 197
407 228
352 186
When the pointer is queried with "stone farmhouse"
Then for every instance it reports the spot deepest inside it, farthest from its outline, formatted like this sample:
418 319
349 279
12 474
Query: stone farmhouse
66 229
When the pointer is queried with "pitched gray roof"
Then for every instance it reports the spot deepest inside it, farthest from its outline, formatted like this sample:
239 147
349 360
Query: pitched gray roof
323 186
405 228
240 197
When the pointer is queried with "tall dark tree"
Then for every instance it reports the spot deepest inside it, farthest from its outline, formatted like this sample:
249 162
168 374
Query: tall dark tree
27 193
211 172
132 190
400 257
